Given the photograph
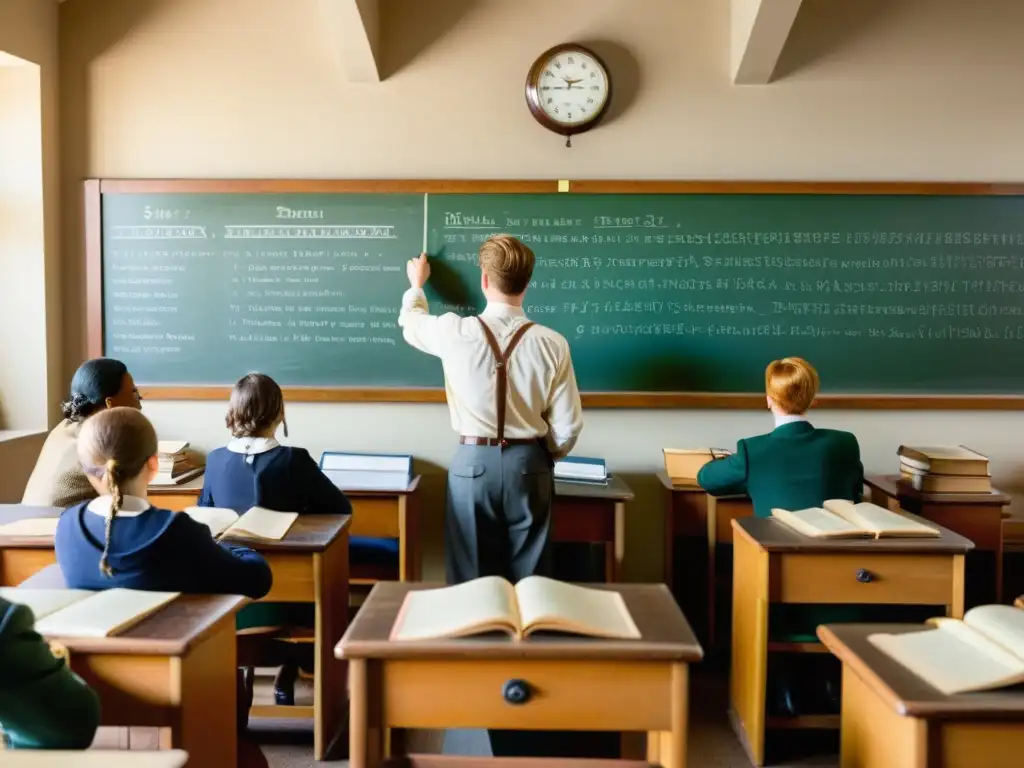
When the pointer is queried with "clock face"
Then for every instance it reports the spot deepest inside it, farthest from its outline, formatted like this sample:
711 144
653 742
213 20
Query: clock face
572 87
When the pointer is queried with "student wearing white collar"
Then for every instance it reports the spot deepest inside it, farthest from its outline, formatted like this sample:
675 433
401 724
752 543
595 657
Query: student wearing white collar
254 469
795 466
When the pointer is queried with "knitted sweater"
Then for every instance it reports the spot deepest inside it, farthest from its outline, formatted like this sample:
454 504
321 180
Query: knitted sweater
57 479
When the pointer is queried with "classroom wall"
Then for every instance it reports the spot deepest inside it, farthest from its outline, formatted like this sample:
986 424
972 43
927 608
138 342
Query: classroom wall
31 352
877 89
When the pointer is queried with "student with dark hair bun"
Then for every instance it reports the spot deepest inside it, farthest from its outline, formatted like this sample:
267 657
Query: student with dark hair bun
57 479
254 469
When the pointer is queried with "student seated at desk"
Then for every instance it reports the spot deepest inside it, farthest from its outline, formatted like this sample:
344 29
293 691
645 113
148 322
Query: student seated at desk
254 469
120 540
57 479
796 465
43 704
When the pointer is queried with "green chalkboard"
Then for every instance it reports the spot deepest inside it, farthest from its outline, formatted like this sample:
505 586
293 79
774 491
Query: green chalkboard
886 293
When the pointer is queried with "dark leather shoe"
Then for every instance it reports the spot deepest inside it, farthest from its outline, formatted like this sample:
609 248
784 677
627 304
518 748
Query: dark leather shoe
284 685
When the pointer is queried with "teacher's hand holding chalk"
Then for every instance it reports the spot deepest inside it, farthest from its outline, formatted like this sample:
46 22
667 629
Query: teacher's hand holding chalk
418 270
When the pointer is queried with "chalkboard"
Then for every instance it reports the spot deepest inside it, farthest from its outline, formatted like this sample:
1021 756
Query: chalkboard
893 294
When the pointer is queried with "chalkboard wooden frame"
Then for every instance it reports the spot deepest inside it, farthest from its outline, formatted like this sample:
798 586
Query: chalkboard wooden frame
96 188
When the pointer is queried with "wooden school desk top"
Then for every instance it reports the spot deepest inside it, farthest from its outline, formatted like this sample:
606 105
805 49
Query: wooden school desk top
171 631
774 536
309 533
11 513
195 486
665 633
666 482
903 691
615 490
891 486
93 758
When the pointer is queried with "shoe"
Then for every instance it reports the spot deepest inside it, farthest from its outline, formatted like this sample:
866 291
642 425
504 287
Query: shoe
284 685
246 676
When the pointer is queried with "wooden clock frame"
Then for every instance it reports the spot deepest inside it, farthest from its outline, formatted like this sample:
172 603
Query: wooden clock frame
533 92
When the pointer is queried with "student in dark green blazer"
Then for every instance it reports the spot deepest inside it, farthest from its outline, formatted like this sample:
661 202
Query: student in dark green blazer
43 704
796 465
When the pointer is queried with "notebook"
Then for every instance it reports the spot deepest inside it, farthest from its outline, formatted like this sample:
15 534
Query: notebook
30 526
81 613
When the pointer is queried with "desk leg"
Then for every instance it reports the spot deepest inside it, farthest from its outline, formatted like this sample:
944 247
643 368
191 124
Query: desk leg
711 518
206 679
330 577
404 565
956 606
620 541
366 736
668 748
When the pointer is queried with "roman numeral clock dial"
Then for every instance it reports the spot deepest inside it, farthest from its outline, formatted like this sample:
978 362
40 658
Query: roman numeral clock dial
568 90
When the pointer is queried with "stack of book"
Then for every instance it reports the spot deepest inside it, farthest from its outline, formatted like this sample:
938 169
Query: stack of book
177 464
944 469
577 469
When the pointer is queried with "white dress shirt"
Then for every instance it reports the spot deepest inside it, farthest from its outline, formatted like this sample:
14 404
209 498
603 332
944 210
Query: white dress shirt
543 400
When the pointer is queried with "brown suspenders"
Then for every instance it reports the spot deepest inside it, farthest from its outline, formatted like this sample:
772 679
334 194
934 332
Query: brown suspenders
501 368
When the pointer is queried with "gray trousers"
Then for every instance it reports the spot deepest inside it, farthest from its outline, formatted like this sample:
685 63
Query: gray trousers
498 515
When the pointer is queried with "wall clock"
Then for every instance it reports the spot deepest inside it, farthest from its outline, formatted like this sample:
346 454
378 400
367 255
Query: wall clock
568 90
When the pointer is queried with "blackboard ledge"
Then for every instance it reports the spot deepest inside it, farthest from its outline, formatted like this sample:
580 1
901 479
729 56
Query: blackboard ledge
679 400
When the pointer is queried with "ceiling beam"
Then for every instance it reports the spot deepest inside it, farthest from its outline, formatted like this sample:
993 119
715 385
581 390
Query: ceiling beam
354 26
759 32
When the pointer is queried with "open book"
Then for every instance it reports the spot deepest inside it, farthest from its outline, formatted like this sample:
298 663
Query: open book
980 653
30 526
257 523
492 604
81 613
842 519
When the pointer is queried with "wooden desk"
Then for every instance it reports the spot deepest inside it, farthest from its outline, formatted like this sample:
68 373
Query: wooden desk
585 684
1019 602
378 514
774 564
978 516
593 514
892 717
310 565
93 758
703 522
22 556
175 670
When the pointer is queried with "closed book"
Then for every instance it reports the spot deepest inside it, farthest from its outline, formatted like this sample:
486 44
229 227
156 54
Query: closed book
944 459
932 483
683 464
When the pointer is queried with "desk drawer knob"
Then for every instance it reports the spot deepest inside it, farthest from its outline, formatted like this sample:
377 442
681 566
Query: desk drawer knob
516 692
864 576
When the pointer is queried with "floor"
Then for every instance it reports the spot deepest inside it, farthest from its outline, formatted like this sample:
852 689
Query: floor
712 742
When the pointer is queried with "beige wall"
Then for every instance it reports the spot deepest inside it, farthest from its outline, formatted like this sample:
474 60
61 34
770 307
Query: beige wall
23 402
31 353
878 89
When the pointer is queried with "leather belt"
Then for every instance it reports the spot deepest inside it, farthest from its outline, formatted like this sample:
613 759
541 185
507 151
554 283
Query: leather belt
467 440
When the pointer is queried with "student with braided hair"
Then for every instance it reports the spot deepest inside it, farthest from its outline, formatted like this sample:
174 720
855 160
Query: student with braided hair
120 540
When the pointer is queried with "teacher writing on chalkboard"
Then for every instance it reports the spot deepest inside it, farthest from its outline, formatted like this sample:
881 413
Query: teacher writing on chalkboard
515 405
